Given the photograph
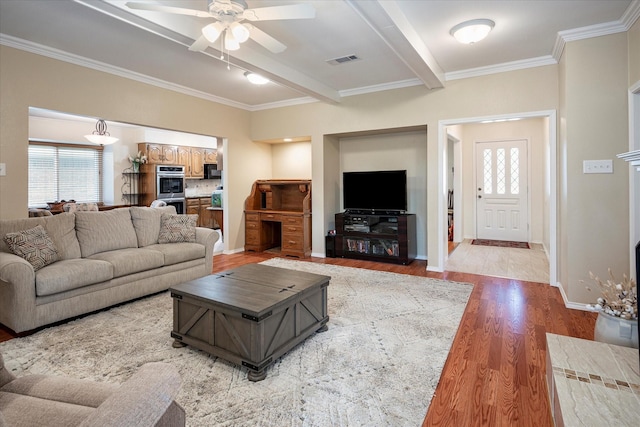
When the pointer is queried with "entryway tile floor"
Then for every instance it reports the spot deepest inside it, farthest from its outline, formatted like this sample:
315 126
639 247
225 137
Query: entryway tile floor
522 264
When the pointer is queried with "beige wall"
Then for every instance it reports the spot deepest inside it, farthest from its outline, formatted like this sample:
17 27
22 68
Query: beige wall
594 230
393 151
519 91
29 80
291 160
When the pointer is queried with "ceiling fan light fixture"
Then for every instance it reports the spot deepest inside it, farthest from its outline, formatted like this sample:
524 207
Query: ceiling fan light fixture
212 31
472 31
256 79
240 32
230 42
100 135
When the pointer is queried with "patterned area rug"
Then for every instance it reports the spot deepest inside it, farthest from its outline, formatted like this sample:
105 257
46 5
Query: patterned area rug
501 243
377 365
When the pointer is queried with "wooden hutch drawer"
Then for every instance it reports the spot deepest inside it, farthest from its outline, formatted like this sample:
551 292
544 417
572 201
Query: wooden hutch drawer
292 242
193 203
252 217
252 237
293 229
252 225
292 220
270 217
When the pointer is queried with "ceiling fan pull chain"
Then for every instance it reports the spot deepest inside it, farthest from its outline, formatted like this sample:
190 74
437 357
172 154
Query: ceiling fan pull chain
222 47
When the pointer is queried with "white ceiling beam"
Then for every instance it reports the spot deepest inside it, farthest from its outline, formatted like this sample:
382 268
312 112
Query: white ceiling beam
245 57
393 27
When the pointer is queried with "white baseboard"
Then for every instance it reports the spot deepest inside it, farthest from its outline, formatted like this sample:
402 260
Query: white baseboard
570 304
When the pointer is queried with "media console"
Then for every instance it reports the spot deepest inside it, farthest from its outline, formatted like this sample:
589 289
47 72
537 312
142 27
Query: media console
376 237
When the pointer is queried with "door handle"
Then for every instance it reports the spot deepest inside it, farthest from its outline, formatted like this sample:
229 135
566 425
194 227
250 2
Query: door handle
479 196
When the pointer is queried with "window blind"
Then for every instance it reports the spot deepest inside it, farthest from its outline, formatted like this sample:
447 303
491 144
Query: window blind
64 172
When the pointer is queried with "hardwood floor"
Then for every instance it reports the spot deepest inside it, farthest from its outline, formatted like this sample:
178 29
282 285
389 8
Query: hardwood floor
495 372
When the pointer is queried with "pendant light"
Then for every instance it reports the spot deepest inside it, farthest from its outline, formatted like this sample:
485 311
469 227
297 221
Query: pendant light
100 135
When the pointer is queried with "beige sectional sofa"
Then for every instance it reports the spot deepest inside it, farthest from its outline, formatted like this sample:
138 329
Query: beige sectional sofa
103 258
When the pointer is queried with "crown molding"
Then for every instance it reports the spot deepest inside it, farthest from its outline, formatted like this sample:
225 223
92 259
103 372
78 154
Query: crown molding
60 55
501 68
627 20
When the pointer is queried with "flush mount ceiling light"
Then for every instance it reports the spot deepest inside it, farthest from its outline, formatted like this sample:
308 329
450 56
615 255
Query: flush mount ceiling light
256 79
473 31
100 135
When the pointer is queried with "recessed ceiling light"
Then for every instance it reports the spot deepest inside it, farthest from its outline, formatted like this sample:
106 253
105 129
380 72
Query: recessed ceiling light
473 31
287 140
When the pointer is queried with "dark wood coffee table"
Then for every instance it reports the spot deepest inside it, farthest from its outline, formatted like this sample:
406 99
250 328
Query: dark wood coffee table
250 315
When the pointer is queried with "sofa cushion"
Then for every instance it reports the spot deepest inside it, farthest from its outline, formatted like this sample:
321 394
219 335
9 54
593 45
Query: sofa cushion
105 231
177 228
146 222
34 245
129 261
175 253
61 229
52 401
71 274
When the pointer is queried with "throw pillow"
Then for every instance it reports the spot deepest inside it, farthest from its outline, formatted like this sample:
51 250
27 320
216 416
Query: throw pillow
177 228
34 245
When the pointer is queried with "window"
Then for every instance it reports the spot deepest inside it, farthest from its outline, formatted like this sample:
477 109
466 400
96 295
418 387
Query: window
64 172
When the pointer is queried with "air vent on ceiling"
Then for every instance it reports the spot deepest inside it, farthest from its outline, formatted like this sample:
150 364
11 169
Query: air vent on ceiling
343 59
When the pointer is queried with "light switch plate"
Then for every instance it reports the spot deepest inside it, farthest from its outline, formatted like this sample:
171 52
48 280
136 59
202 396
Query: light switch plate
597 166
3 169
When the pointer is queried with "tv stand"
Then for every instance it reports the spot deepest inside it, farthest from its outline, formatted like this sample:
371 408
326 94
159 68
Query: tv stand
385 237
373 212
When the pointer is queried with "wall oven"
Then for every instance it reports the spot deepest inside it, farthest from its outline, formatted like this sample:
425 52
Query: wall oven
179 204
169 182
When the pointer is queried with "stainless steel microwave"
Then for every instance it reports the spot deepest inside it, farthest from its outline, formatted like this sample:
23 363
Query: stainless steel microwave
211 171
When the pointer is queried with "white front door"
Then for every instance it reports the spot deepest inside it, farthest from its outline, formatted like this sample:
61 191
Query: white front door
502 211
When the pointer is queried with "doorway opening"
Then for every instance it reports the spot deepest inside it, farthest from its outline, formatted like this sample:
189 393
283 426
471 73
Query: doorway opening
464 173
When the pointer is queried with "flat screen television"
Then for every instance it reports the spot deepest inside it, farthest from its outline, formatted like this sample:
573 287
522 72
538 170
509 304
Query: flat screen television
375 191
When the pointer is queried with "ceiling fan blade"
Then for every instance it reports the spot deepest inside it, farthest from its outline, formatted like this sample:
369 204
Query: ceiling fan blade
168 9
294 11
200 44
265 40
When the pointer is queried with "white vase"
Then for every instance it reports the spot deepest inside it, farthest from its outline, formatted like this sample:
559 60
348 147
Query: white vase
615 330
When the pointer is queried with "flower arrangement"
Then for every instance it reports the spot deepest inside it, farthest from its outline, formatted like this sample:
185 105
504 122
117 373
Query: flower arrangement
139 158
618 299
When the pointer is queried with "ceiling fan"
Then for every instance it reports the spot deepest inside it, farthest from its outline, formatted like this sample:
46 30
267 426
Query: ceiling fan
229 15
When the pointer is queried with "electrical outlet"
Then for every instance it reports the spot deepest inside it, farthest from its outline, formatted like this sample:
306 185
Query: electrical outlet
3 169
597 166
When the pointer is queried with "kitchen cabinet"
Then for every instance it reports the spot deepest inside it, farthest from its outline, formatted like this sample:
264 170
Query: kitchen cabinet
193 208
196 163
206 217
159 154
210 156
184 158
192 158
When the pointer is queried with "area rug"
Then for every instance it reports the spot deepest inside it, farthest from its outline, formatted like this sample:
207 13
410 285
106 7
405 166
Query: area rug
377 365
501 243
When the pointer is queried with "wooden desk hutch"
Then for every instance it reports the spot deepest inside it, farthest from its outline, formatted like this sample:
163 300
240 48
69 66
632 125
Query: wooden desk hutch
278 214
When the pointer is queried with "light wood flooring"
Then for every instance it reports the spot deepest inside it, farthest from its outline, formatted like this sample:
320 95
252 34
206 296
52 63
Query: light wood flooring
495 372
